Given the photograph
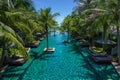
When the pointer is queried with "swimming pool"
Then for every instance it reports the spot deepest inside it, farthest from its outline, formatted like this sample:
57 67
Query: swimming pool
68 62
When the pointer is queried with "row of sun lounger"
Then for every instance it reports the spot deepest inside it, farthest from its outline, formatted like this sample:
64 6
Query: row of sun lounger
102 57
15 60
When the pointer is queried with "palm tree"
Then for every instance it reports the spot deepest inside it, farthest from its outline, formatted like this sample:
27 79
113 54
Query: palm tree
84 4
86 18
54 27
13 19
8 35
110 16
47 20
21 18
105 14
66 24
20 4
114 7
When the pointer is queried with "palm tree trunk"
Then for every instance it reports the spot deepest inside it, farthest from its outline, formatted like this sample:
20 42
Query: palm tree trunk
118 32
3 53
68 34
54 31
118 41
3 56
47 35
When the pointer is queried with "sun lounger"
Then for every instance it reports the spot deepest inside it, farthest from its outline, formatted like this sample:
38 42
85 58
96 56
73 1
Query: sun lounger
104 54
15 60
32 45
105 59
85 44
93 51
41 38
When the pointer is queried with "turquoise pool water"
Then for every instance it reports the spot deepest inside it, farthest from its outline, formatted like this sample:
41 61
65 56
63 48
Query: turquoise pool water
68 62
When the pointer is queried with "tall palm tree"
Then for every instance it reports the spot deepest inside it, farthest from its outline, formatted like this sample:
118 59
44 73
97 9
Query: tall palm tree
47 20
69 22
114 7
84 4
54 27
111 16
21 4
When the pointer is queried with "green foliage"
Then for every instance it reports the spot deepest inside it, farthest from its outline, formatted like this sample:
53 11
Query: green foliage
96 49
47 18
16 19
90 20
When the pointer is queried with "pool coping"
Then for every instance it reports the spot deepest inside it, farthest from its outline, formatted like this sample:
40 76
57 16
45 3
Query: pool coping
116 66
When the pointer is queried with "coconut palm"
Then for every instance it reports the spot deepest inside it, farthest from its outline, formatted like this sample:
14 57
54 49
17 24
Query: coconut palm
14 19
28 24
67 24
84 4
8 35
85 15
54 27
20 17
47 20
23 4
105 14
108 15
114 8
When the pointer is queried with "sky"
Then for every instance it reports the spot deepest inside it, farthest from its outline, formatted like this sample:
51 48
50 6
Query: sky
63 7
